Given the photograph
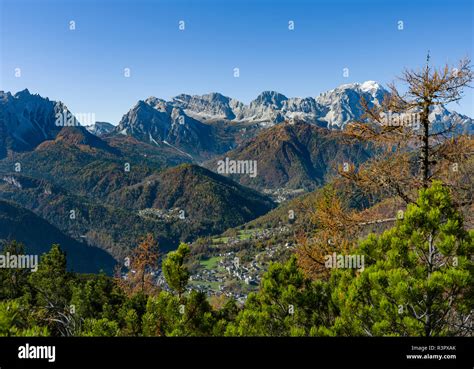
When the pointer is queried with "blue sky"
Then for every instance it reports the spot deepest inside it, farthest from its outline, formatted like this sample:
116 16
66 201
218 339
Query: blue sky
85 68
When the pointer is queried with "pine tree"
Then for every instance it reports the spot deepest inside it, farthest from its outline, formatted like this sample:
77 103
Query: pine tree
51 286
16 320
13 281
174 269
418 276
287 304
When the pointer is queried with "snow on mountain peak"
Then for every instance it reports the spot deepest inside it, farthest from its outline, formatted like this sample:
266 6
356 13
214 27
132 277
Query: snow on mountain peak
370 86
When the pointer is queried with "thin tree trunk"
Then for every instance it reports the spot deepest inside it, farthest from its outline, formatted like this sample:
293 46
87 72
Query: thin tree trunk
425 157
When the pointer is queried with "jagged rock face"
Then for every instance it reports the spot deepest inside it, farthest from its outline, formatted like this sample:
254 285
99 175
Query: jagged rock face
442 118
267 107
145 122
211 105
189 134
341 105
272 99
334 108
306 105
26 120
158 122
215 106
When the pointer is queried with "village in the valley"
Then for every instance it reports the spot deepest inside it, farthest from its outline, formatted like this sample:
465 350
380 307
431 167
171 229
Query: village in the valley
236 264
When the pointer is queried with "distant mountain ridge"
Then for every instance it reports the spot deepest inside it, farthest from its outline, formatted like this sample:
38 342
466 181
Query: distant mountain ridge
332 109
211 124
199 126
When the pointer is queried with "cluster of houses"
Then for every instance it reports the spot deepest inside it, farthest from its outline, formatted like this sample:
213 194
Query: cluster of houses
282 194
259 234
164 214
246 275
270 232
233 277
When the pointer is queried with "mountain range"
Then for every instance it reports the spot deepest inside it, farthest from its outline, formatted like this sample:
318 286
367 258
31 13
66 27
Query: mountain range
178 121
157 170
200 126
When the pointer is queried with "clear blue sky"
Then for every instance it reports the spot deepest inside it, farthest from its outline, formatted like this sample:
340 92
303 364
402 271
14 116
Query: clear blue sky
84 68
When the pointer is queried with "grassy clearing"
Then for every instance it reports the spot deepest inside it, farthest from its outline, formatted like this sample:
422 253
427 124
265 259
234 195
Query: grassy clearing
211 285
220 240
211 263
244 234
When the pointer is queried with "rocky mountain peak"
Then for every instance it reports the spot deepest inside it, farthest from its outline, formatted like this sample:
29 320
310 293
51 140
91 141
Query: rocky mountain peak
270 98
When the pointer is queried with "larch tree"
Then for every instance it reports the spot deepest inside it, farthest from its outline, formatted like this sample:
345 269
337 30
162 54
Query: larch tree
141 265
330 226
411 149
415 148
